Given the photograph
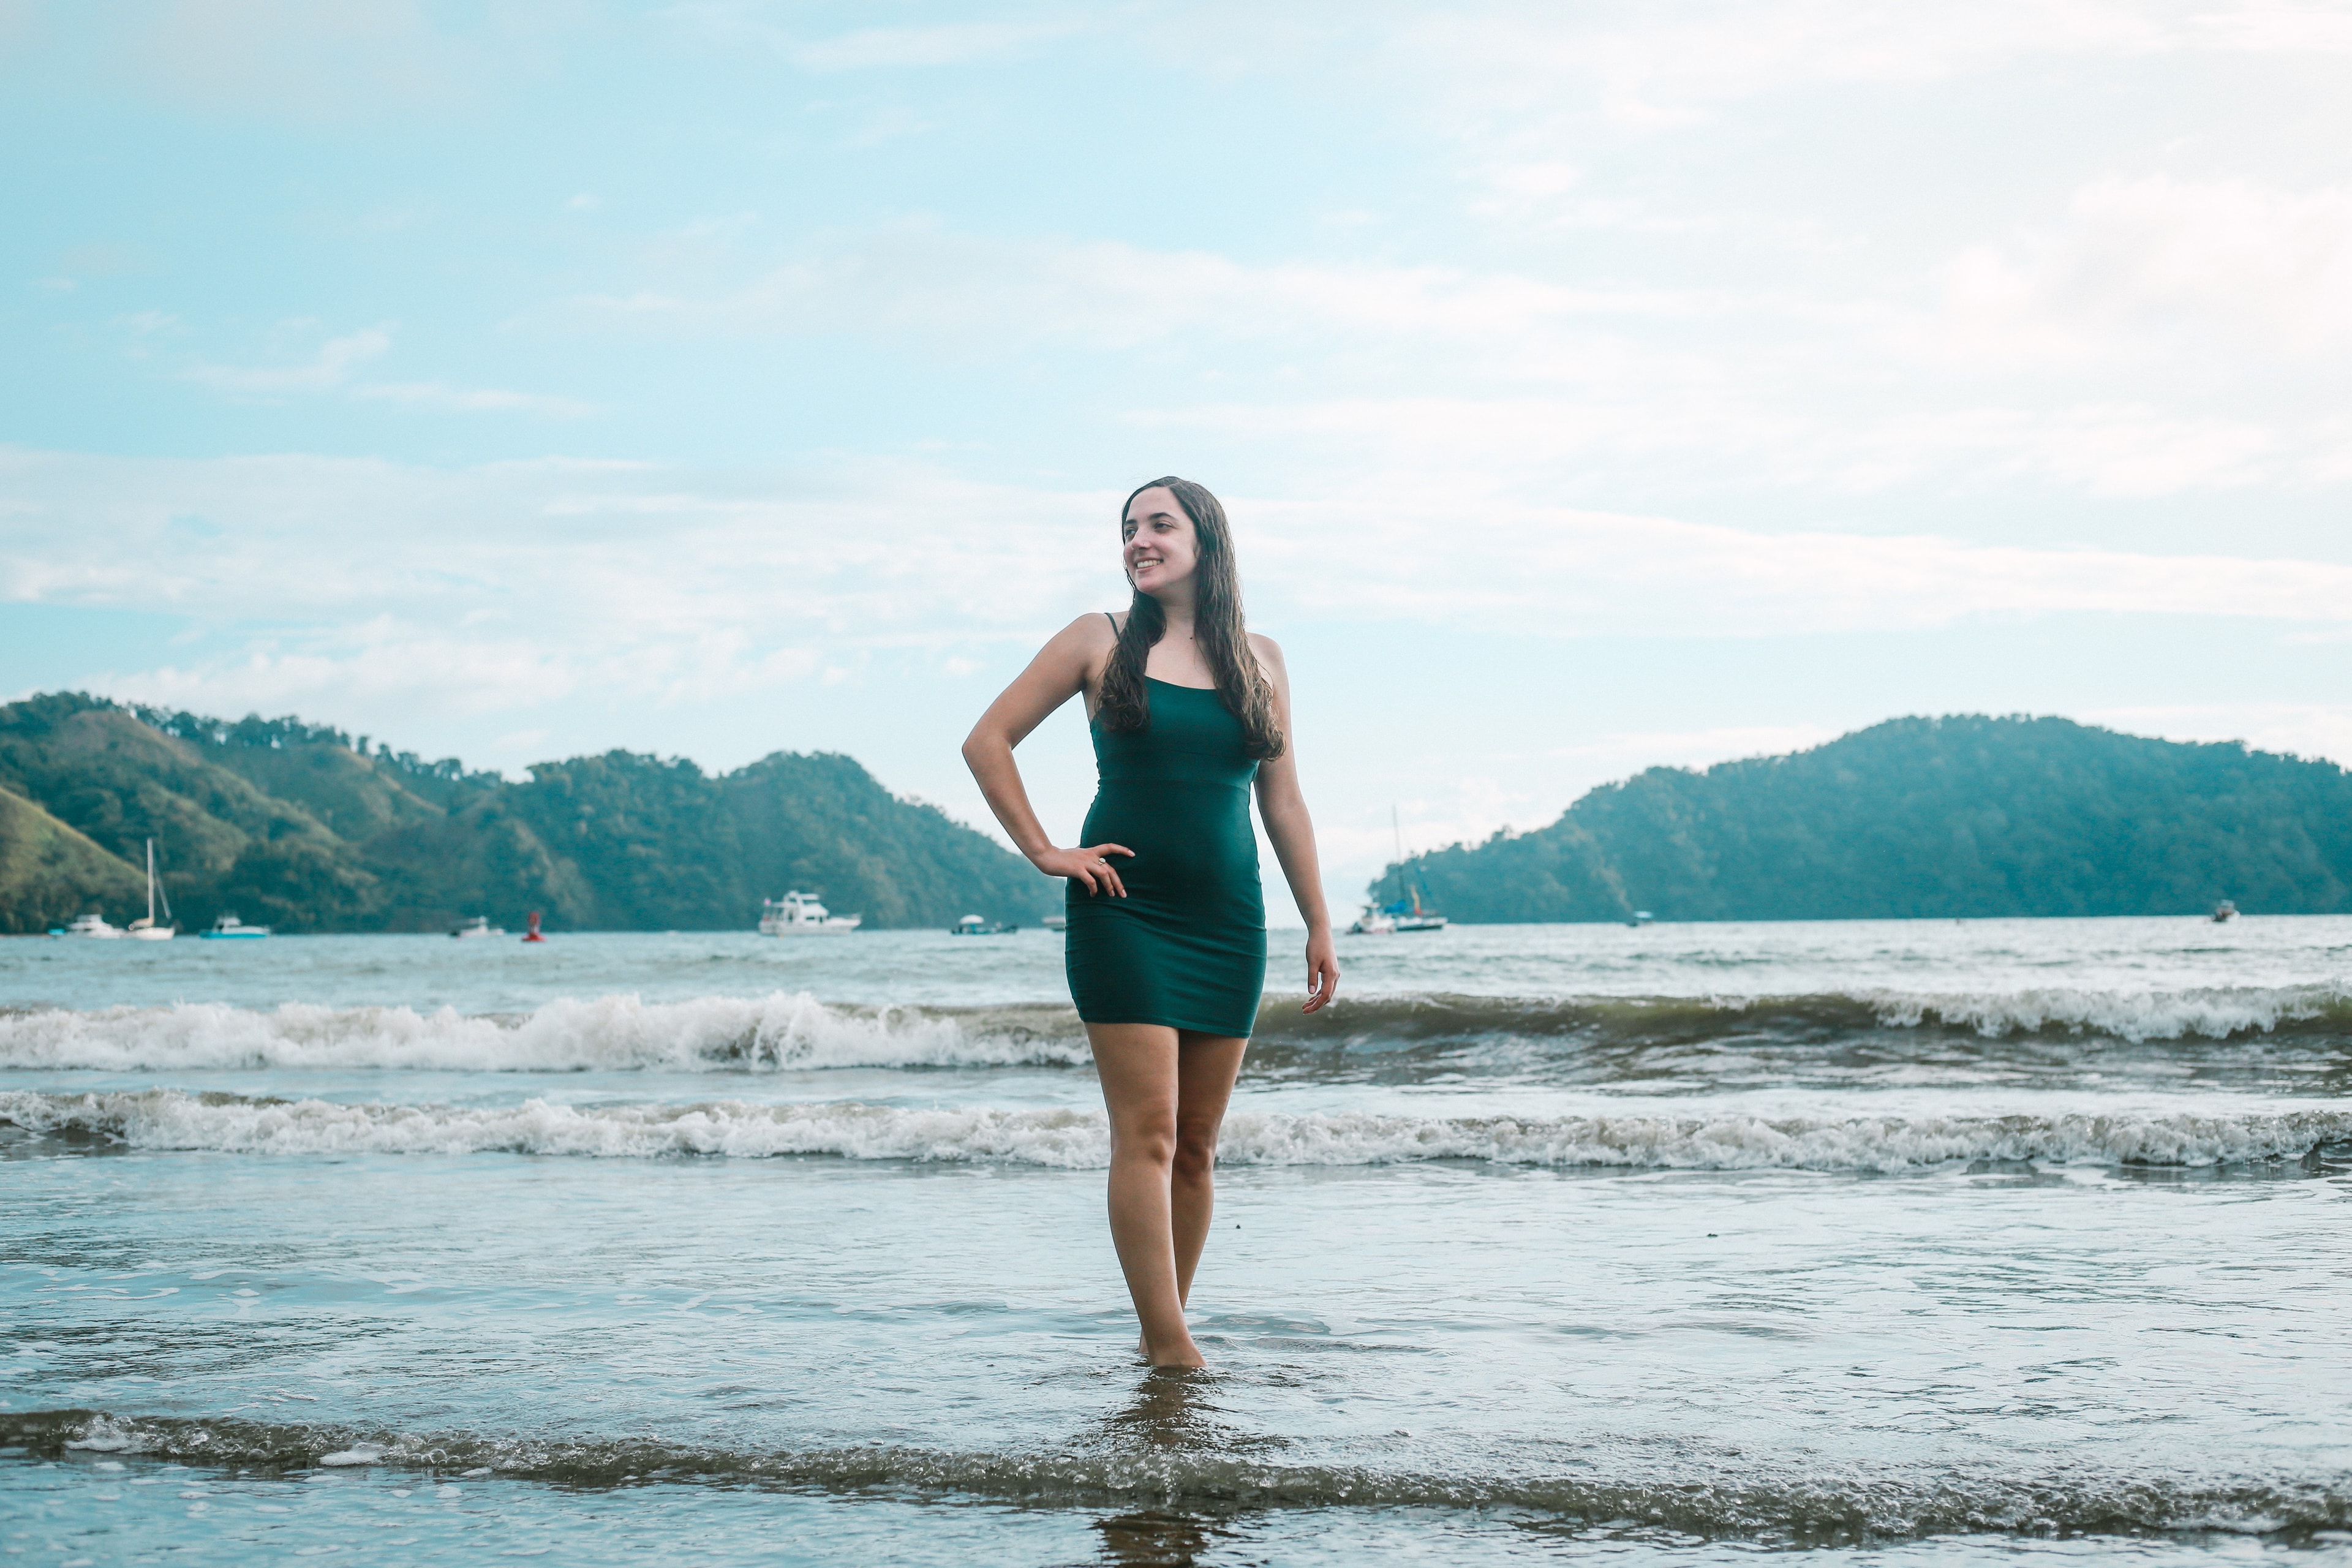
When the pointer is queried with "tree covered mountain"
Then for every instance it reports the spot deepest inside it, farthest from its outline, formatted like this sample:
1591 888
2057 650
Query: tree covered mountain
1940 817
306 829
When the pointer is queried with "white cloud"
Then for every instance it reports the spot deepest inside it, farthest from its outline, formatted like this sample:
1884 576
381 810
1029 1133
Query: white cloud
2299 729
869 48
1555 572
471 400
1515 69
1488 446
330 368
970 289
872 48
299 57
2142 267
508 585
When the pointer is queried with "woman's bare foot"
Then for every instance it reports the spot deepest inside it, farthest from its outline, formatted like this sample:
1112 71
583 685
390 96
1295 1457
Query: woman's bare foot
1185 1355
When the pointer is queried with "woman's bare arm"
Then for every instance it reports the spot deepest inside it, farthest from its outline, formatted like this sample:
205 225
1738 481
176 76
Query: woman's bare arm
1284 808
1061 671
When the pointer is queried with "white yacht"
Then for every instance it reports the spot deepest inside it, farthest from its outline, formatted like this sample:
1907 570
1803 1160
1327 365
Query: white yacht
478 926
229 928
980 925
799 914
92 926
146 930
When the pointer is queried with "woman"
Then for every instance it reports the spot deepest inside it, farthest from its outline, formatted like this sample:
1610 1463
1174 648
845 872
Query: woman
1167 944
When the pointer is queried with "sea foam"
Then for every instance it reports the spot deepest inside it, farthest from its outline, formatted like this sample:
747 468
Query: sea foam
1070 1138
788 1031
1773 1496
779 1031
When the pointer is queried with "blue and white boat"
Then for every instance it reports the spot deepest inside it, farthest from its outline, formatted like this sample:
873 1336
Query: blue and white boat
229 928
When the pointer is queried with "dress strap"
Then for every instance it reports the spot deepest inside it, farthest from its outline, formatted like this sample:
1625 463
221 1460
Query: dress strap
1114 622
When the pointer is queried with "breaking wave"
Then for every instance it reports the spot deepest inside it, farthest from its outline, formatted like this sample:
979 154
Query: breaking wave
1069 1138
776 1032
794 1032
1743 1497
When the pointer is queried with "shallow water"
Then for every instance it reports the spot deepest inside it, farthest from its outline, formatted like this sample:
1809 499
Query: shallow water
1900 1241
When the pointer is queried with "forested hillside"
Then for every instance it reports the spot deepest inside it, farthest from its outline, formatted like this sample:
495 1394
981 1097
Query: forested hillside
1958 816
305 827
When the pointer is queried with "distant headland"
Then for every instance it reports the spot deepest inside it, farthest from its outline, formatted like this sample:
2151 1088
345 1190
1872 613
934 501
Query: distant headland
1966 816
307 828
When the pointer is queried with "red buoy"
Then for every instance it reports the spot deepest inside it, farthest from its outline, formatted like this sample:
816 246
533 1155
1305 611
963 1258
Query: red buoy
532 934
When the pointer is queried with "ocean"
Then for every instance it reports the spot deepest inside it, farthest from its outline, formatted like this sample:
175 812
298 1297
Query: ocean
1875 1242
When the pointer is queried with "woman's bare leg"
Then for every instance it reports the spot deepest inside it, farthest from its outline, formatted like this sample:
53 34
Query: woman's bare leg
1138 1065
1206 1066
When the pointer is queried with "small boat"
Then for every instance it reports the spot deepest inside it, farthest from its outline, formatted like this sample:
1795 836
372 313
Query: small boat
478 926
1056 922
1639 919
93 927
1406 913
1419 919
2225 910
799 914
975 925
146 928
229 928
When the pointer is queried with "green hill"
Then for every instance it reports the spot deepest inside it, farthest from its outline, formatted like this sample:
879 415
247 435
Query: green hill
1934 818
306 829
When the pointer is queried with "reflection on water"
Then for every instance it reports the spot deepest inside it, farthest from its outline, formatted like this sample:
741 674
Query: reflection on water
1154 1539
1174 1412
1173 1409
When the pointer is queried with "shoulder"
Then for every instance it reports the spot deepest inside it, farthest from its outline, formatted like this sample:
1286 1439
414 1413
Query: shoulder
1090 632
1268 651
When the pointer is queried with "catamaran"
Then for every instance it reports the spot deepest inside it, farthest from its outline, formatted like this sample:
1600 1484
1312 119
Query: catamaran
799 914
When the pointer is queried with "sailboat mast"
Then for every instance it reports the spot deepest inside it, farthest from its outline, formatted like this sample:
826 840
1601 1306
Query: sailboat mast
150 882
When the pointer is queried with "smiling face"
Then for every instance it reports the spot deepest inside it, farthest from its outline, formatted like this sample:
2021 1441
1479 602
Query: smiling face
1161 545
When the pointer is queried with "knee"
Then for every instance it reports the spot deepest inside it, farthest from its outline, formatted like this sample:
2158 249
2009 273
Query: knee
1146 1136
1195 1154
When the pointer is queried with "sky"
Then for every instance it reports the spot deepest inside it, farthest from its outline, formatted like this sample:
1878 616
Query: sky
1592 386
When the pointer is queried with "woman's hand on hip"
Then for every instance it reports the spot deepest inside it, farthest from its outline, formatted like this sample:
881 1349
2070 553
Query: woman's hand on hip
1322 970
1090 865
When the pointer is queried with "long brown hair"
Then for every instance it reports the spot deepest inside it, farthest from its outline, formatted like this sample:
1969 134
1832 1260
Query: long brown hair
1217 622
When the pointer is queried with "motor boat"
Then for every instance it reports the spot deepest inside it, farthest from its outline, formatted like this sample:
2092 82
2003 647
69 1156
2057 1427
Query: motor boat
978 925
92 926
229 928
799 914
479 926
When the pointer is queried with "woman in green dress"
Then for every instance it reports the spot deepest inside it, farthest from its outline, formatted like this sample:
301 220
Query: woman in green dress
1167 934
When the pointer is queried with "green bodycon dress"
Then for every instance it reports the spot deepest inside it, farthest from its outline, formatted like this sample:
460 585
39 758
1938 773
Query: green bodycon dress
1186 947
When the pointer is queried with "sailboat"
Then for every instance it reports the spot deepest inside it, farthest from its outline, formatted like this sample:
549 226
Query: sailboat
1405 913
147 930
